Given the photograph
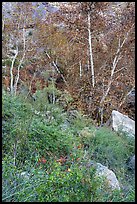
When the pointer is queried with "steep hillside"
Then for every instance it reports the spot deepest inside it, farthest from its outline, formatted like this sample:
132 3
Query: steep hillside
48 153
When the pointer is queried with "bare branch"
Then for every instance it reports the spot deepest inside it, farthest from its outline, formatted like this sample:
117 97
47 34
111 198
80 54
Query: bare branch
54 64
119 70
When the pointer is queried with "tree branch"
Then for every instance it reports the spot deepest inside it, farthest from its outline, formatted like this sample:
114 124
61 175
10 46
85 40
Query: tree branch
57 69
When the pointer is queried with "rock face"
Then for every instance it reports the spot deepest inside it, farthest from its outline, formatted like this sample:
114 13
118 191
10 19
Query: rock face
109 175
123 123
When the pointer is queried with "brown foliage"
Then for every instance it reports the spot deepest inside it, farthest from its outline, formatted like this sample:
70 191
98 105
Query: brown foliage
68 47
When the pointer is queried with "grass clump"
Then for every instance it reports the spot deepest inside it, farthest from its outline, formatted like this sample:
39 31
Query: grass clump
110 148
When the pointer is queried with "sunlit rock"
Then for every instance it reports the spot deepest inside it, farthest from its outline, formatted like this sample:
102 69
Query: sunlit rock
123 123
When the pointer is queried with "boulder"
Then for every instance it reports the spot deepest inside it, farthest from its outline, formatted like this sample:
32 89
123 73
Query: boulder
123 123
109 175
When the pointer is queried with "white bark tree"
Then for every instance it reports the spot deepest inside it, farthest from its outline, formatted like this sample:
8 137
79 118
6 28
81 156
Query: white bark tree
90 50
80 69
117 58
21 61
11 71
114 65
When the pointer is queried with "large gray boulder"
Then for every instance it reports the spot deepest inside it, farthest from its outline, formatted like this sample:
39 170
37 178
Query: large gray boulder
110 176
103 172
123 123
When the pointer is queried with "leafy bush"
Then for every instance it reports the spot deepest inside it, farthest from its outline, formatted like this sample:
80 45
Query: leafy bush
44 97
49 138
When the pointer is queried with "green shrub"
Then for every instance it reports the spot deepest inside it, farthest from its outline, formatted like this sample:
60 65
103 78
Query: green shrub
111 149
34 132
53 183
49 138
45 96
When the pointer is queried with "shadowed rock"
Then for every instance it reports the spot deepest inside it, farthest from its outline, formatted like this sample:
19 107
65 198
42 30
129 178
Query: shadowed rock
109 175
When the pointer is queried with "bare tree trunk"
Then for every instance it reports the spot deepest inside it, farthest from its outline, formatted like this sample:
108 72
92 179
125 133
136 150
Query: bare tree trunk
114 64
90 51
11 71
80 69
88 60
18 73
